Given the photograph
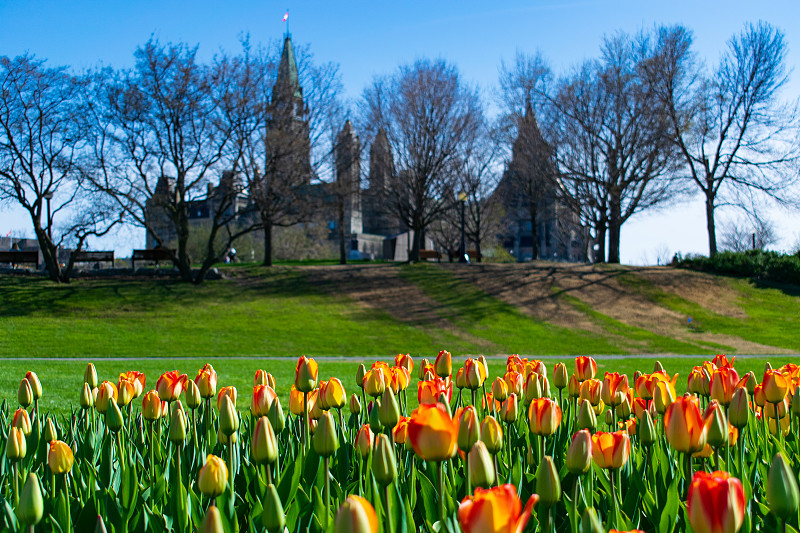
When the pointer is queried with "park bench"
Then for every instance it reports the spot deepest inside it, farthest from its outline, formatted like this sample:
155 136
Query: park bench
92 257
19 257
473 255
429 254
153 254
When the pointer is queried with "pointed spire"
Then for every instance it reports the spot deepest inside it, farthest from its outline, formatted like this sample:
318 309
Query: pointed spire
288 82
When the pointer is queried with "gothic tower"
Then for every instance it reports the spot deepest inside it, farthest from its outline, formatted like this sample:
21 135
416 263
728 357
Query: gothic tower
348 177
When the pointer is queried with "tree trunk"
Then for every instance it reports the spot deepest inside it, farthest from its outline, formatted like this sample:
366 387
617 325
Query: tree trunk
710 225
342 247
601 241
184 261
614 229
267 242
417 244
533 209
49 253
478 249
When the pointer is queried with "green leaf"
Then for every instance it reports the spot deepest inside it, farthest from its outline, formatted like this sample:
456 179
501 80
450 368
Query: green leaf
669 513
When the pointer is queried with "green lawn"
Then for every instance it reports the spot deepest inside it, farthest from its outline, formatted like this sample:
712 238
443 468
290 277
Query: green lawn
62 379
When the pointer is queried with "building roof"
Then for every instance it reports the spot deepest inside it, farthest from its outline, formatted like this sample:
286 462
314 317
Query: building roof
288 80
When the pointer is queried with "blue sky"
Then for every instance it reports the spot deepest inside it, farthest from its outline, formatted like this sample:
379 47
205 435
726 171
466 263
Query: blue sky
373 37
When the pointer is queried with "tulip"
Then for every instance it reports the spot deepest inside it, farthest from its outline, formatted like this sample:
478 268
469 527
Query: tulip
355 515
137 379
499 389
50 432
126 393
60 457
326 440
22 421
276 417
533 388
296 402
696 383
334 395
361 372
230 392
263 396
684 426
430 391
432 433
384 464
579 454
514 383
151 406
400 378
544 416
374 416
400 431
647 431
90 375
193 397
206 381
444 364
305 374
739 409
389 411
114 419
106 392
717 425
467 428
170 385
374 382
86 398
613 383
586 417
574 387
775 386
404 360
228 417
590 390
782 490
585 368
213 477
716 503
461 379
25 393
663 397
509 411
611 450
364 440
16 445
723 385
480 466
212 523
496 510
273 517
491 434
560 378
30 508
260 378
177 424
36 385
474 374
263 445
548 484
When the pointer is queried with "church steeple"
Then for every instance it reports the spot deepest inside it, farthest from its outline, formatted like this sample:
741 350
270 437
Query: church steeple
288 84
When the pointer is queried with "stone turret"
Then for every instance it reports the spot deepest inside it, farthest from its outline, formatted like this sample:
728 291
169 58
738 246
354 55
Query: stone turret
348 177
381 164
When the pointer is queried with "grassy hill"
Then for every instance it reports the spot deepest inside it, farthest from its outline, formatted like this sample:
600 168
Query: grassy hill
383 309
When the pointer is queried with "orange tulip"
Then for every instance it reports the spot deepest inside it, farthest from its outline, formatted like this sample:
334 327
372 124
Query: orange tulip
474 373
225 391
723 384
263 396
509 410
151 406
433 434
444 364
22 420
645 386
544 416
629 531
260 377
60 457
590 390
514 382
365 440
515 363
334 394
574 387
585 368
499 389
376 380
611 450
721 361
400 378
404 360
775 386
206 381
696 383
137 378
170 385
305 374
496 510
296 402
684 425
105 392
356 515
127 392
400 431
716 503
429 391
612 383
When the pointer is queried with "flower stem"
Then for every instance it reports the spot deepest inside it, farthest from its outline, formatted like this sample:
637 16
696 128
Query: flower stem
442 509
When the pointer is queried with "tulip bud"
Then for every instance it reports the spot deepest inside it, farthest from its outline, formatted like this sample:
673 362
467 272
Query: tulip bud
151 406
276 417
325 440
213 476
767 367
355 404
636 375
263 445
467 429
647 431
36 385
491 434
360 373
662 397
544 385
481 468
574 387
30 508
355 515
499 389
461 378
305 374
472 374
444 364
609 417
16 445
423 368
127 391
579 454
212 523
374 419
364 440
22 420
90 376
384 464
509 411
590 523
193 397
718 430
177 423
25 393
548 484
113 416
389 411
228 417
273 517
560 377
751 382
86 398
532 389
586 417
623 408
50 431
782 490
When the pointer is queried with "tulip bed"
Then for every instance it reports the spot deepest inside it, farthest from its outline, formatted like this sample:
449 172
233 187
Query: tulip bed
412 446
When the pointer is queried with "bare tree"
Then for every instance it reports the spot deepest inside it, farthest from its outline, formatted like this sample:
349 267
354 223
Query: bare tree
43 148
611 140
737 140
429 115
752 232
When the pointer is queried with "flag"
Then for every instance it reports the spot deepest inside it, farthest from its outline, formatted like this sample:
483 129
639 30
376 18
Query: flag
286 16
